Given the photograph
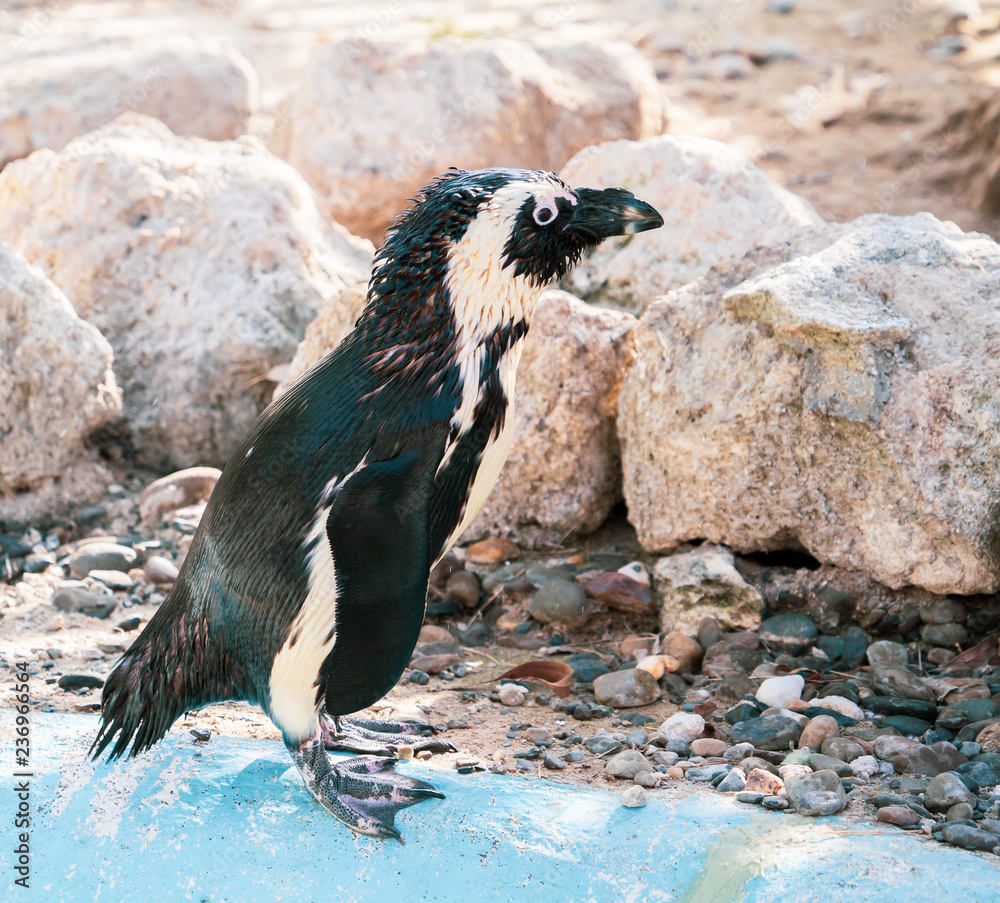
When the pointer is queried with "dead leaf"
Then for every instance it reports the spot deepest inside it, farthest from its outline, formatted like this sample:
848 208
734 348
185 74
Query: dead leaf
705 709
554 674
619 591
976 657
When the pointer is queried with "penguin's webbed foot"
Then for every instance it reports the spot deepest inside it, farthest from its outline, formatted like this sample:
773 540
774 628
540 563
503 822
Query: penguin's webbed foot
379 738
365 793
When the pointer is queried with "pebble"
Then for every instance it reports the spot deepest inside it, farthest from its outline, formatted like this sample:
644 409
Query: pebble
980 772
114 580
817 731
708 747
798 787
627 764
959 812
706 773
907 725
626 689
886 652
779 691
686 726
463 588
559 601
538 734
419 677
855 648
728 657
100 556
888 746
687 652
431 633
754 797
818 803
792 633
840 705
634 797
552 761
895 680
733 782
902 816
843 748
160 570
525 765
819 762
944 635
647 779
929 760
970 838
763 781
945 790
512 694
777 803
492 551
890 705
864 766
80 682
775 732
603 743
81 598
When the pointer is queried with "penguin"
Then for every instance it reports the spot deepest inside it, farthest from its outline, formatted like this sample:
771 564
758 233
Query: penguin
304 587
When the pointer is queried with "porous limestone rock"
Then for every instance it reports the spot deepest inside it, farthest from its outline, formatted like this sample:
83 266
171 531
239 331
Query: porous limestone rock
371 123
835 393
714 202
704 583
56 387
54 89
201 262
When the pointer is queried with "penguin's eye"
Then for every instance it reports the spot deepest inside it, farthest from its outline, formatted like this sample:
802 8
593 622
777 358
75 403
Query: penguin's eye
545 212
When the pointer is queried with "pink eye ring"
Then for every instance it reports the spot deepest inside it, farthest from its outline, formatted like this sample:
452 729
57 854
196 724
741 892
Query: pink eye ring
545 212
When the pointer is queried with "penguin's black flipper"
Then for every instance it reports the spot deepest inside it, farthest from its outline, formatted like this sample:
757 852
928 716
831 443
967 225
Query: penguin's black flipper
364 793
378 532
379 738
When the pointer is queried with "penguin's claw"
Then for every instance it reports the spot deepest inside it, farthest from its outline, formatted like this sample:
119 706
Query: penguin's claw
379 738
365 793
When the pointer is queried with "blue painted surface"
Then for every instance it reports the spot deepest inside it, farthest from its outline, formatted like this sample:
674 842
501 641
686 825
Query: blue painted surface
231 821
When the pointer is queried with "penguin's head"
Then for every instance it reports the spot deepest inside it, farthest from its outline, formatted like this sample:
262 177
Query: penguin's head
481 245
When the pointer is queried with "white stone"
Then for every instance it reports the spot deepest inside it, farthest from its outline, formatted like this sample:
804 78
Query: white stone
704 583
200 261
779 691
834 393
372 123
512 694
686 726
864 766
634 797
714 202
841 705
53 90
56 388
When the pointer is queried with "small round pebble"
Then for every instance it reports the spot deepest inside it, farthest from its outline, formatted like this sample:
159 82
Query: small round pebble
818 803
419 677
512 694
634 797
160 570
775 802
902 816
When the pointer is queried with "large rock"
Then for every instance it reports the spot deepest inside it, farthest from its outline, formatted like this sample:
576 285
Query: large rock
714 202
563 473
53 91
201 262
371 123
835 393
56 387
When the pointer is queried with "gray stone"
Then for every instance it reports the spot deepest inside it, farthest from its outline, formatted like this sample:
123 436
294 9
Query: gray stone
855 647
944 634
729 659
114 580
628 688
820 803
753 797
603 743
929 760
627 764
945 790
832 419
894 680
942 611
792 633
820 762
798 786
843 748
81 598
734 782
100 556
706 773
886 652
160 570
559 601
776 732
970 838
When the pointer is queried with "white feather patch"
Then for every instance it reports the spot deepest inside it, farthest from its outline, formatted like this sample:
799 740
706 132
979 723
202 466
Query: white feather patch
295 671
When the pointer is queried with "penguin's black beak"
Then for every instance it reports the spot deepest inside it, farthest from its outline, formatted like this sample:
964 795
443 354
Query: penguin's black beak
601 213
